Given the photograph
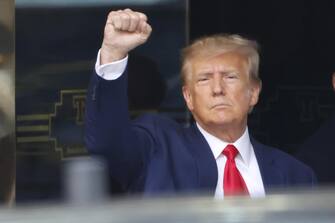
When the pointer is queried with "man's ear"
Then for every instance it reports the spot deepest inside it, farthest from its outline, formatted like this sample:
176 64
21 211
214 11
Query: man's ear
187 97
334 81
255 91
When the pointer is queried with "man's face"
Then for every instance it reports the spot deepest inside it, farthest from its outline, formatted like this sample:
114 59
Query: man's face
218 91
334 81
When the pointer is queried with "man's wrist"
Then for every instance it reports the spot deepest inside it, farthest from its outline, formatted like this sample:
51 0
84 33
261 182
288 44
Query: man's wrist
110 71
108 55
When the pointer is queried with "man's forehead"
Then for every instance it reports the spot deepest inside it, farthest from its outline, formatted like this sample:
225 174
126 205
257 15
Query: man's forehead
228 60
217 55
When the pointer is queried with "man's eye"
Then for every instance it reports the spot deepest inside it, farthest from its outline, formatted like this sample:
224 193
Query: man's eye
232 76
203 79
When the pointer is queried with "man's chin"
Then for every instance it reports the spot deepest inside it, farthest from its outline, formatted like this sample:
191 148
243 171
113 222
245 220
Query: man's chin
221 122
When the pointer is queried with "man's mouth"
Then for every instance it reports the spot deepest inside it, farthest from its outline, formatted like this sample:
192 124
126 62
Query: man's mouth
221 105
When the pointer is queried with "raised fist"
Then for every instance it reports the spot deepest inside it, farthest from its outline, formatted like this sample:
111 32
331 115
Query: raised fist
124 30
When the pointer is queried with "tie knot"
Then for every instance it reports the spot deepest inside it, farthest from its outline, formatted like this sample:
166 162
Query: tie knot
230 151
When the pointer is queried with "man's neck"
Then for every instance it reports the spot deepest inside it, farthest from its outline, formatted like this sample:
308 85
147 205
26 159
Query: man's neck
225 133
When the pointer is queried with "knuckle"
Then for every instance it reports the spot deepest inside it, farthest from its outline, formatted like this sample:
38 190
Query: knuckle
111 15
134 18
142 16
124 17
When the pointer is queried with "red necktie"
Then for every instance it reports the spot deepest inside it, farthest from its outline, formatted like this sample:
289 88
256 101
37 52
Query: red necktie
233 183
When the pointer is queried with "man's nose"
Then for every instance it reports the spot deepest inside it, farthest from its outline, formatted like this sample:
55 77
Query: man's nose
218 85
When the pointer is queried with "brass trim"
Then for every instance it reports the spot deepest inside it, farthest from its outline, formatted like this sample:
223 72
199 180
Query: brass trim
33 128
33 139
34 117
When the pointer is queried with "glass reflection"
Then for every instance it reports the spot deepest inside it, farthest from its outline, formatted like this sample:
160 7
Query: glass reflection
54 64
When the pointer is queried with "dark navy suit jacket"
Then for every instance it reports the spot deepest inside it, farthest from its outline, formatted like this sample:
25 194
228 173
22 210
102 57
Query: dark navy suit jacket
154 154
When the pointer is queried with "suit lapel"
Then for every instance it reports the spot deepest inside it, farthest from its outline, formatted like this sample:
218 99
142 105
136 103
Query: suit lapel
205 161
272 176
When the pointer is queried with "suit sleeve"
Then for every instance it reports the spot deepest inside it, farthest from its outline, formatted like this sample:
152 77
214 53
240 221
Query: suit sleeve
109 132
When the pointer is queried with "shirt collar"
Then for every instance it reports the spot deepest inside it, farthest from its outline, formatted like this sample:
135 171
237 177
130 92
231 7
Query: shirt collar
243 145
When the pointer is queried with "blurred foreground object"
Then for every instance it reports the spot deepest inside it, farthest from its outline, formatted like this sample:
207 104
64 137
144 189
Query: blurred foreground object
85 180
304 207
7 103
7 91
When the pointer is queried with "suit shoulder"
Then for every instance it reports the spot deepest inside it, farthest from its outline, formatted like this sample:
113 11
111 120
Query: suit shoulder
284 158
156 121
294 170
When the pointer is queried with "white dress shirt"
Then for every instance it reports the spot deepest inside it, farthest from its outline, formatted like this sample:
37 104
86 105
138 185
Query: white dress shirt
110 71
246 161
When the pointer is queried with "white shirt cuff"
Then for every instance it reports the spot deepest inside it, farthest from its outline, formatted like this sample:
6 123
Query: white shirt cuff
111 71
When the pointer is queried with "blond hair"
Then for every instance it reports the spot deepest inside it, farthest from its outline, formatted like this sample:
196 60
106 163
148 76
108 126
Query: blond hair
217 44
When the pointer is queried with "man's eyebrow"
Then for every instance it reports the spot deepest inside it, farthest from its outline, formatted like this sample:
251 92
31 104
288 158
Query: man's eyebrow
205 71
204 74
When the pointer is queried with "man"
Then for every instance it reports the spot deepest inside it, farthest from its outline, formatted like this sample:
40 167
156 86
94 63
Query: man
318 150
156 155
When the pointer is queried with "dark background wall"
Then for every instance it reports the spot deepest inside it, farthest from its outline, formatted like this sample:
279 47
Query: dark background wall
297 60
